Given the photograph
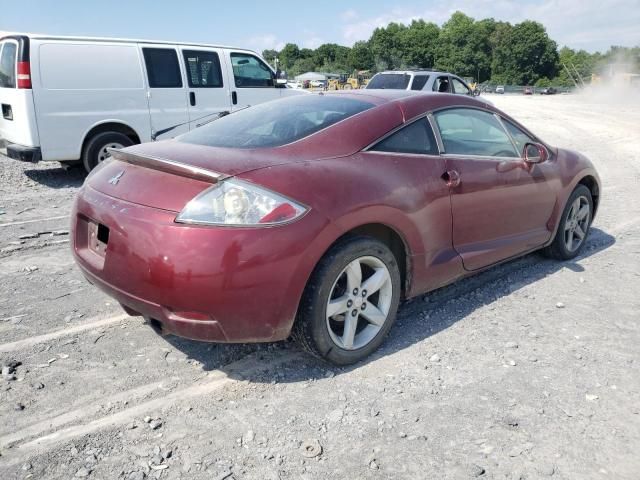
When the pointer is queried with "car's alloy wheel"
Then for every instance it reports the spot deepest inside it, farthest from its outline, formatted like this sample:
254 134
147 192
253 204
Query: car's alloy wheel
577 223
574 225
350 301
359 303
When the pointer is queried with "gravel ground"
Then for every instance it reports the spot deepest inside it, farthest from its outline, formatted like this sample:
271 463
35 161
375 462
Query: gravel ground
528 370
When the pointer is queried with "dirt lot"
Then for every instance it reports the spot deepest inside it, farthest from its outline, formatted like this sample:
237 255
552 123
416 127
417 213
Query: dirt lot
529 370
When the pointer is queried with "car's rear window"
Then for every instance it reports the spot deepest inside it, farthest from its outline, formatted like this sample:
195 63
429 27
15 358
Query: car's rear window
276 123
393 81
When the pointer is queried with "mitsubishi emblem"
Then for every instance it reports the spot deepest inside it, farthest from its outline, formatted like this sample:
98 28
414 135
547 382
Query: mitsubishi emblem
116 179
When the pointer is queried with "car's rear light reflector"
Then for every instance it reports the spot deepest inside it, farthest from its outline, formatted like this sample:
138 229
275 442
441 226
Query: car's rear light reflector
24 75
282 213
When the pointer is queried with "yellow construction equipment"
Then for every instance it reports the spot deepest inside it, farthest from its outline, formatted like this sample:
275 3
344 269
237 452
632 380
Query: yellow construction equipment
359 79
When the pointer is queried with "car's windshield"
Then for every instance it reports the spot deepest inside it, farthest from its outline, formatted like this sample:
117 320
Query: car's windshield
395 81
276 123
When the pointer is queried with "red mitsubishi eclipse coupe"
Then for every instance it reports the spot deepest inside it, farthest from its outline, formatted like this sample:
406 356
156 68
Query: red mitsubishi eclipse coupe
315 215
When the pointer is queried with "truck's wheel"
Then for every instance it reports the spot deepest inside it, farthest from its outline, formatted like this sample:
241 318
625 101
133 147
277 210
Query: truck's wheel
95 150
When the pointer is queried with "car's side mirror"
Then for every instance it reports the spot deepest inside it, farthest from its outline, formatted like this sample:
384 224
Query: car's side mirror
534 153
281 78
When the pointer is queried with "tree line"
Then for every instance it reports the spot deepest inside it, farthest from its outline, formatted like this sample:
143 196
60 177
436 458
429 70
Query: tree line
486 50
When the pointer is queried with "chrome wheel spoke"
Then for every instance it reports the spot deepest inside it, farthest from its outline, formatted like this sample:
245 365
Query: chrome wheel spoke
350 325
337 306
579 232
375 281
354 275
583 212
373 315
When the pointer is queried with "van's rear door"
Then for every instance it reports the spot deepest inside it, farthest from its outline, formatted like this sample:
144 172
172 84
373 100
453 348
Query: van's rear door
17 115
206 84
166 90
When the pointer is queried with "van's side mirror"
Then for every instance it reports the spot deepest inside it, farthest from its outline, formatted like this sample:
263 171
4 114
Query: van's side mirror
534 153
281 78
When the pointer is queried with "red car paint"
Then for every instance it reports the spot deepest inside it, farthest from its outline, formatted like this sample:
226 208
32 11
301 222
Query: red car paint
232 284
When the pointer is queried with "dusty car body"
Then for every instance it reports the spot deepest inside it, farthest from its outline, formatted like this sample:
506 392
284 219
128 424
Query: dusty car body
430 216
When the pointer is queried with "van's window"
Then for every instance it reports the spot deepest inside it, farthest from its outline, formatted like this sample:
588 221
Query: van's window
203 69
419 82
8 65
394 81
414 138
249 71
162 67
466 131
276 123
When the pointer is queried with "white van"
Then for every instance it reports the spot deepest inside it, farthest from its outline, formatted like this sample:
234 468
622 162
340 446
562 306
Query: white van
69 99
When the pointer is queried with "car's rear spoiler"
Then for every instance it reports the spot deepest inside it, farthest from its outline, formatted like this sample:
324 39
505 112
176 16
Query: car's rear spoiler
165 165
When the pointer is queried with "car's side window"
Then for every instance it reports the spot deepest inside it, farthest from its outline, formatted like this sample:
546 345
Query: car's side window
419 82
163 69
459 87
416 137
467 131
441 85
250 71
519 137
203 69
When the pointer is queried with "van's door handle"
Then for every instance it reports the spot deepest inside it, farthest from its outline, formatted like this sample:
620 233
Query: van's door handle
234 98
192 98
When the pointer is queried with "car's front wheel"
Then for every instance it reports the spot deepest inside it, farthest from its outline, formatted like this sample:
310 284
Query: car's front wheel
350 302
574 226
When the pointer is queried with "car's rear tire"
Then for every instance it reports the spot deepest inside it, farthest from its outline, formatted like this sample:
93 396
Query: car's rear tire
95 150
573 229
350 302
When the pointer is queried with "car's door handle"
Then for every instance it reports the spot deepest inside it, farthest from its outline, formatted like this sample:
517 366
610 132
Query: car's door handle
452 178
234 98
192 98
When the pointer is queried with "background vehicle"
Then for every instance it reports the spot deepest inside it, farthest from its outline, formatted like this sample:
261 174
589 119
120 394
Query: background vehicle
500 89
452 186
359 79
528 91
69 99
424 80
548 91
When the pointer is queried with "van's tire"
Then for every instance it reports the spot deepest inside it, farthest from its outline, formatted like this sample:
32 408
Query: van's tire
95 150
324 335
575 221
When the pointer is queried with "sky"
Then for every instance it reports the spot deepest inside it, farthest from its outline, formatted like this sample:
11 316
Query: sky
581 24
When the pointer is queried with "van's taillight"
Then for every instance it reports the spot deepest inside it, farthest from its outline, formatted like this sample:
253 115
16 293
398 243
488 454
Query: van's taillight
24 75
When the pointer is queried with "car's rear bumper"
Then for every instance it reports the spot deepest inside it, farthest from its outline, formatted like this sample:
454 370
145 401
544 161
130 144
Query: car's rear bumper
211 284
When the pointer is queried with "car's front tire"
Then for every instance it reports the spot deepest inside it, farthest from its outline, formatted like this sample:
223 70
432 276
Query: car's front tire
96 149
350 302
573 230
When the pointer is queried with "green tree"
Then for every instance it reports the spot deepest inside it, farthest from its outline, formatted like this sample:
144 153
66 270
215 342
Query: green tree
525 53
360 57
418 42
288 55
387 46
270 55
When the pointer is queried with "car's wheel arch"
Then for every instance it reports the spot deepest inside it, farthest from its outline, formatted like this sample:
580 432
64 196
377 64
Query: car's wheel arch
109 126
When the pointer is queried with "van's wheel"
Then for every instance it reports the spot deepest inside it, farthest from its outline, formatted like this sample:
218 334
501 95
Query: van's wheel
350 302
95 150
574 226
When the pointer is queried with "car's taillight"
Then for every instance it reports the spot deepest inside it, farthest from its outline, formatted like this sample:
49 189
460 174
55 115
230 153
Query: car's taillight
238 203
24 75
